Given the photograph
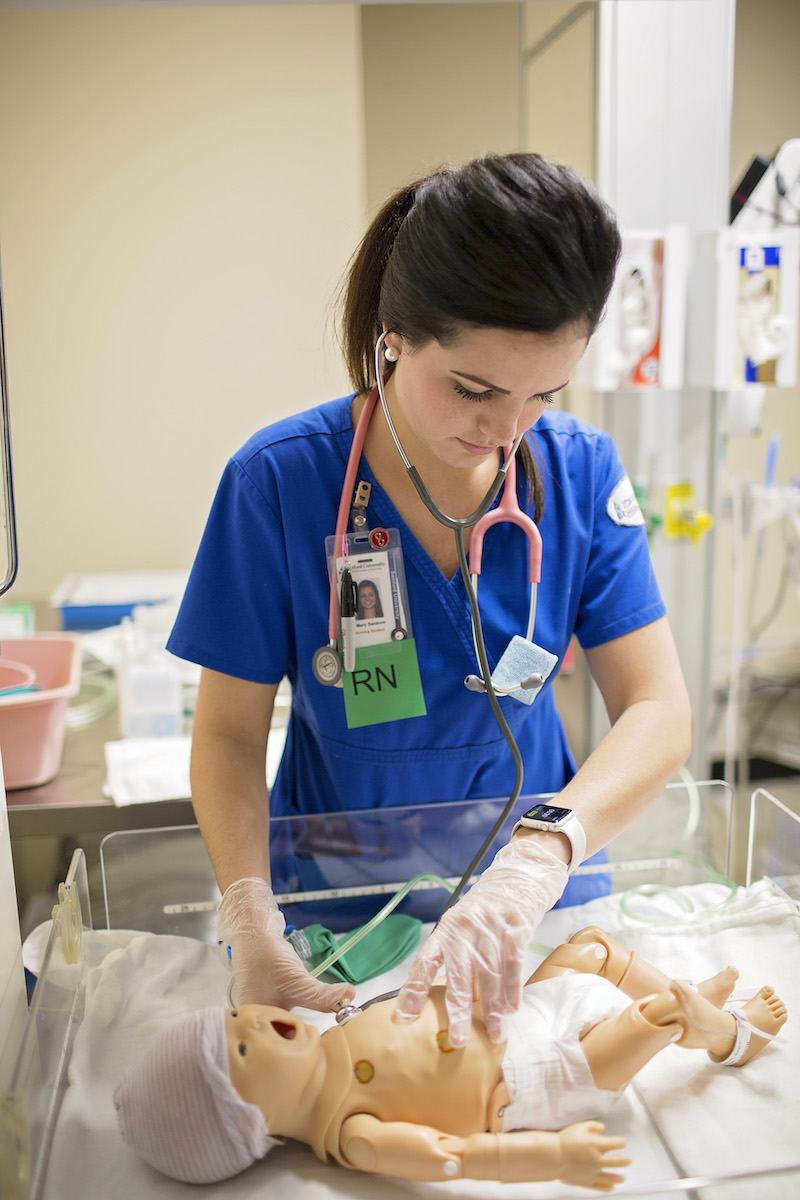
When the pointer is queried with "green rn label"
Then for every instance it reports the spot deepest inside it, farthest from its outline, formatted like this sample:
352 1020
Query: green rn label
385 685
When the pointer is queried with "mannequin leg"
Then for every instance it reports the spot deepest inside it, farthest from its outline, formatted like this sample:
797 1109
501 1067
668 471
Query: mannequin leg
631 974
595 952
619 1046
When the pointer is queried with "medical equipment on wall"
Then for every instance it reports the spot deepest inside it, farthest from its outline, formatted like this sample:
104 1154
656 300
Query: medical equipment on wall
768 199
743 331
640 342
740 292
683 517
768 195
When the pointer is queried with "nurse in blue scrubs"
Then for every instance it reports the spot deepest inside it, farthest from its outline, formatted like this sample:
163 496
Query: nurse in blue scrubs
488 281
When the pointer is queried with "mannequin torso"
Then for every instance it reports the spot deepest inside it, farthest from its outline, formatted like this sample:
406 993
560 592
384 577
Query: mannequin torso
458 1093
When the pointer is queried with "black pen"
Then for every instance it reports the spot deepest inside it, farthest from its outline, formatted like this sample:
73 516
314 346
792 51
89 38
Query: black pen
347 610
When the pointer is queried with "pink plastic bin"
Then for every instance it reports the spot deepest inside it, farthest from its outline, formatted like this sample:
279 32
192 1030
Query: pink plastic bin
15 675
32 724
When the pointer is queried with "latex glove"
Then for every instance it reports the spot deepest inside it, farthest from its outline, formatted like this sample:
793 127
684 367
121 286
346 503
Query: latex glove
480 942
266 967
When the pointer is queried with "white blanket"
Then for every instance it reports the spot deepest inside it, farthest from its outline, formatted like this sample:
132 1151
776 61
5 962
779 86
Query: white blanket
714 1120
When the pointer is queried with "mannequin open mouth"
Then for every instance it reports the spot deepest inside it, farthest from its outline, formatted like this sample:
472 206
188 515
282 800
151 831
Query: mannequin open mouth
284 1029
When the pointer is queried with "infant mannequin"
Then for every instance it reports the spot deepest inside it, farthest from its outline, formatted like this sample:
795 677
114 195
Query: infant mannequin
383 1095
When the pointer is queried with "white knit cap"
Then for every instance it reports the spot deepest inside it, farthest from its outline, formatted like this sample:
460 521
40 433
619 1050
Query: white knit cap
179 1110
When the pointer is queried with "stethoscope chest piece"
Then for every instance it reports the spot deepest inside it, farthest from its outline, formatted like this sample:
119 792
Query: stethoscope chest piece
345 1012
327 666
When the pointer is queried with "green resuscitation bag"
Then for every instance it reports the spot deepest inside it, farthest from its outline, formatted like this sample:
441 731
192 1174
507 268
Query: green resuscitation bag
379 950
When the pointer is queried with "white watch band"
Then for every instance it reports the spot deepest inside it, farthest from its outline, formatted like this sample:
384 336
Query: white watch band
571 828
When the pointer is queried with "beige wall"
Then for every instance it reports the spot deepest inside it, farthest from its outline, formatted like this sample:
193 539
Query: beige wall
179 191
441 85
558 48
558 82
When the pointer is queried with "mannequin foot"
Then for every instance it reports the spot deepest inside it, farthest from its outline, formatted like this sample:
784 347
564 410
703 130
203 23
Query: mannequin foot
718 988
713 1029
767 1012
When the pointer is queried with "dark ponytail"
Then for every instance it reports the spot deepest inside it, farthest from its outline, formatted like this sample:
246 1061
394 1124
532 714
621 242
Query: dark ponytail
361 291
507 241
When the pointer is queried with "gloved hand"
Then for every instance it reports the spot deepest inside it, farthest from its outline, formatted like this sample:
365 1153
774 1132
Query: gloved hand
266 967
481 941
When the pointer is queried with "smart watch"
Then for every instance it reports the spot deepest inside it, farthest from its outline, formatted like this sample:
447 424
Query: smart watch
553 819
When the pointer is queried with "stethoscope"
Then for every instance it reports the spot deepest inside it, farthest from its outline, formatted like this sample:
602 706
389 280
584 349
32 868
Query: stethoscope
327 663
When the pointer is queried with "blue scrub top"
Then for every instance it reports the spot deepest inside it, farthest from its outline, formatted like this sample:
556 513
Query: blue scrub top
256 607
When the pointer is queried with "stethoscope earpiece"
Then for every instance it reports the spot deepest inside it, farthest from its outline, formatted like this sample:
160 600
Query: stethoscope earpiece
475 684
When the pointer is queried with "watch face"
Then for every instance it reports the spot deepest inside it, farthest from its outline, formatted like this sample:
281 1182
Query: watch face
550 814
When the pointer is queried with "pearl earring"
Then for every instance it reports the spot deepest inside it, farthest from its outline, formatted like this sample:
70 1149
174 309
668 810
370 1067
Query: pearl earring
391 354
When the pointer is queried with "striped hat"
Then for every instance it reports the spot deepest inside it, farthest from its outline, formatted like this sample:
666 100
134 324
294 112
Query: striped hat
178 1109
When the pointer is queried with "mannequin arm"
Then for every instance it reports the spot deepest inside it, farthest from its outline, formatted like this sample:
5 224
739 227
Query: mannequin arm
578 1154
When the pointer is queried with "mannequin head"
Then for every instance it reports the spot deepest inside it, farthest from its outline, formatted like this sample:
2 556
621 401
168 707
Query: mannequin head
179 1110
275 1062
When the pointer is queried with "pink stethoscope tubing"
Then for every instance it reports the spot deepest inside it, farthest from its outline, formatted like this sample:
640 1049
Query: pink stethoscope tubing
509 510
343 515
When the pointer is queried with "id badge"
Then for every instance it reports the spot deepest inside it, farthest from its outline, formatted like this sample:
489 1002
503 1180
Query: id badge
385 684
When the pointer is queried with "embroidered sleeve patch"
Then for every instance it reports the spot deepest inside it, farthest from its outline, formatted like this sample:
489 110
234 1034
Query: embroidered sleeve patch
622 506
